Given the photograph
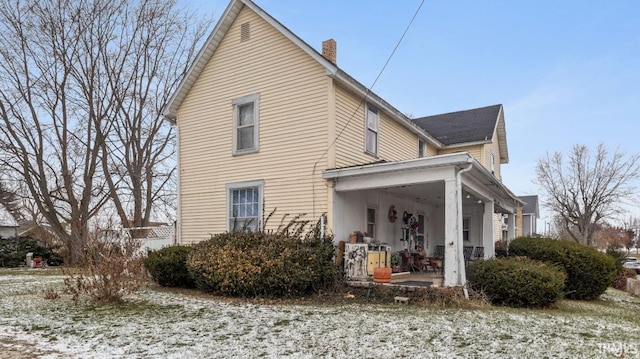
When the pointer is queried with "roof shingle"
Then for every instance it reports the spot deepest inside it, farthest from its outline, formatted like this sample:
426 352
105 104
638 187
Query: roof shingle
462 126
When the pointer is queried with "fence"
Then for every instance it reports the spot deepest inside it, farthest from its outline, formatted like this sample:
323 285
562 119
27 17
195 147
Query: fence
152 238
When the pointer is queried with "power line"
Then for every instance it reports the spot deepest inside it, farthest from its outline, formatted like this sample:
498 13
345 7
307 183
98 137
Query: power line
364 98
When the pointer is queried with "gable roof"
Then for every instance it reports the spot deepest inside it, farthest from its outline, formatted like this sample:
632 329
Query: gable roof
6 219
530 205
332 70
462 128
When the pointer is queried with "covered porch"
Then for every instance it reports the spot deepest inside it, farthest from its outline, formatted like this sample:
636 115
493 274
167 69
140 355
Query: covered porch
457 203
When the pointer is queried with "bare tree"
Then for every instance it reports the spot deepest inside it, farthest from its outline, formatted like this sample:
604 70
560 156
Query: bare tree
150 57
81 88
9 199
584 190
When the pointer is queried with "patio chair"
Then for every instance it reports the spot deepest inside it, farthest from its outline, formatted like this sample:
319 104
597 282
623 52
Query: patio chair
467 251
436 264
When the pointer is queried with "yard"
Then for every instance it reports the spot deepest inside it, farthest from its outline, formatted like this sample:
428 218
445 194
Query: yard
169 324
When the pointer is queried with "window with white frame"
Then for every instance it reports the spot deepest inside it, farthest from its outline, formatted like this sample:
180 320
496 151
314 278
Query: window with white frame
465 228
245 124
371 222
244 209
421 146
371 136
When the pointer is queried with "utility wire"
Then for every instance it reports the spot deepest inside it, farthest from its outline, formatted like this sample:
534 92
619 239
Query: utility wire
364 99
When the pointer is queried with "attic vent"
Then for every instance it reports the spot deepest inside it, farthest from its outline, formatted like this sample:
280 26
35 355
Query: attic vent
245 32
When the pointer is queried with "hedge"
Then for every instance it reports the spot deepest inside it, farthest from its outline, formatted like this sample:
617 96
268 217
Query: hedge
168 266
589 272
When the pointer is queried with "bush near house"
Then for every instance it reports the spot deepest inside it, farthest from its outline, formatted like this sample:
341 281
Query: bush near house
517 282
264 264
168 266
589 272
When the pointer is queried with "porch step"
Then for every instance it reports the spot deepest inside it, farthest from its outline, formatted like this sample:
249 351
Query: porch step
401 300
400 275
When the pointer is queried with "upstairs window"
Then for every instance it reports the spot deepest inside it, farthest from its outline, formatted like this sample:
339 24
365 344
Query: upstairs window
421 146
371 136
245 124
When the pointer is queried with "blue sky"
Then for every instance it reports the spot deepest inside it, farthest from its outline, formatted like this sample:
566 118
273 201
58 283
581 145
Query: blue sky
567 72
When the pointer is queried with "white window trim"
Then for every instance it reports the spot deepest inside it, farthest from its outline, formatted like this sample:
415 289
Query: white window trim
239 185
376 130
422 147
493 162
255 98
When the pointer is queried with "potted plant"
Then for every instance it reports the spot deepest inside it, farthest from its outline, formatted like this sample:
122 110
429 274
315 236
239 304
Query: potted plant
395 262
356 237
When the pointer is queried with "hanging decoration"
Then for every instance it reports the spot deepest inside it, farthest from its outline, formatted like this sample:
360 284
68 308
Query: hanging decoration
405 217
413 224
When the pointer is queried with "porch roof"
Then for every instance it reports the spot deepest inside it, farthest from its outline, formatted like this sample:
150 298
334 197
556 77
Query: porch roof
421 172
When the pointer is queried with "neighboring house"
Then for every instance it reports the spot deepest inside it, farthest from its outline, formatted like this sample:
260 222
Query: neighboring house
8 224
40 232
530 215
265 121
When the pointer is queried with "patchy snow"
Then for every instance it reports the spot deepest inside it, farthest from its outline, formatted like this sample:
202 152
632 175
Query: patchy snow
157 323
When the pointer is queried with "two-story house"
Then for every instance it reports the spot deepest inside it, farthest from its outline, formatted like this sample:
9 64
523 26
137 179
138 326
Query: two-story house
266 121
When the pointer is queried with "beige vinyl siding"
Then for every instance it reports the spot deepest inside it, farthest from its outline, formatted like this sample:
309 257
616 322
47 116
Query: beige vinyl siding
475 151
395 142
494 148
292 129
497 227
431 150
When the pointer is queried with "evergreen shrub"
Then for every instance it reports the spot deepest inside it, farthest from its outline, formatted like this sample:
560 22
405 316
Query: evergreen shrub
589 272
517 282
168 266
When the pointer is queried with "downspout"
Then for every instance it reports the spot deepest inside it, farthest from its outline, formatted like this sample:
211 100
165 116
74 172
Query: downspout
178 227
461 267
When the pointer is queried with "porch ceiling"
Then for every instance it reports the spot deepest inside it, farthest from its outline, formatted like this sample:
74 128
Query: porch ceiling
430 193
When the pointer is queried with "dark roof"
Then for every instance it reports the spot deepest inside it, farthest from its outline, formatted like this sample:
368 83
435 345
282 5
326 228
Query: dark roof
531 204
459 127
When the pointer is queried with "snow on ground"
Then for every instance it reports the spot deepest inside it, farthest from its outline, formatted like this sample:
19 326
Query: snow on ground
160 324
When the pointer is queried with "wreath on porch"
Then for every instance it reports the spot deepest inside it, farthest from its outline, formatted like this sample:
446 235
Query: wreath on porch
393 214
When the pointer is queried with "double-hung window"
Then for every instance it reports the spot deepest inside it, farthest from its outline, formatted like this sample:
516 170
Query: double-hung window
465 228
244 205
245 124
371 136
371 222
421 145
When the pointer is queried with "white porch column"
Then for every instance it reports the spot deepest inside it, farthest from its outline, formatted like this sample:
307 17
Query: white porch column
511 226
454 271
487 230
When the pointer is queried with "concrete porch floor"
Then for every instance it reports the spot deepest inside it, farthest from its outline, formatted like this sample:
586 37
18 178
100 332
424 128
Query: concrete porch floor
437 279
405 280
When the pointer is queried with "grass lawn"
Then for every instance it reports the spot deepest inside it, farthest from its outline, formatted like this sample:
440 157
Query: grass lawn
177 324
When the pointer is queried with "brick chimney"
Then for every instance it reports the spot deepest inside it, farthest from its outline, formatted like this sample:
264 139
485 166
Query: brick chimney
329 50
